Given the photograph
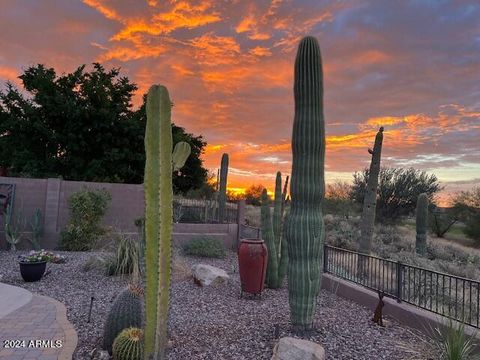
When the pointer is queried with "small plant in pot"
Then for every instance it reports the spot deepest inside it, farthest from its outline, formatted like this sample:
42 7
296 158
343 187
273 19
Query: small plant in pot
33 265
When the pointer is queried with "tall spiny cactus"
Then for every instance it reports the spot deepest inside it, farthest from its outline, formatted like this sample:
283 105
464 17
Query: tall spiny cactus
422 224
222 195
268 235
158 216
278 255
370 200
305 229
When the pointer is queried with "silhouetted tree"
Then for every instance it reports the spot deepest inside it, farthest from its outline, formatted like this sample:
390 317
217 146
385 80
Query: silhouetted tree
398 190
81 126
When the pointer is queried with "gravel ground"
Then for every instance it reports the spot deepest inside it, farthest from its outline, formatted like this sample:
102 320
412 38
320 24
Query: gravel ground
214 323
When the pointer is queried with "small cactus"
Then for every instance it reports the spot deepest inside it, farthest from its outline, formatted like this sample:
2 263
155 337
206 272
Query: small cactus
128 345
422 223
273 230
125 312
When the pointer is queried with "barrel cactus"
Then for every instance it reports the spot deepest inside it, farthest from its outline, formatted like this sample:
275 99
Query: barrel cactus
222 195
304 228
159 216
125 312
370 200
272 230
422 224
128 345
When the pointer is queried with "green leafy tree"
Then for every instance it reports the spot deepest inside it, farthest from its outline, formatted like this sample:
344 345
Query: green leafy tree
81 126
398 190
467 206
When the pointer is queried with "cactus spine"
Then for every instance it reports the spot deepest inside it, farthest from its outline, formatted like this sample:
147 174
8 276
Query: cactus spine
159 216
370 200
222 196
422 223
125 312
305 229
129 345
273 235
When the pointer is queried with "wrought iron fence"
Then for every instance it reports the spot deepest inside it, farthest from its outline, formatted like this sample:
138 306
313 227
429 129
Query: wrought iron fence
447 295
202 211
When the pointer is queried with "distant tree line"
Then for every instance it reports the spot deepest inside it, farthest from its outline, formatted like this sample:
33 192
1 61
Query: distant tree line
81 126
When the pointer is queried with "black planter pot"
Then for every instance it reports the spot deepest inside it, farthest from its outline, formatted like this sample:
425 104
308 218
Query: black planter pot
32 271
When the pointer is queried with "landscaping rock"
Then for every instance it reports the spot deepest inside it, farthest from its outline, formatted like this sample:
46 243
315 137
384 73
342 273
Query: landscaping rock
289 348
205 275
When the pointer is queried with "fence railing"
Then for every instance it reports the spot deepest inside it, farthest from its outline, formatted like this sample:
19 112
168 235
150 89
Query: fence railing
447 295
202 211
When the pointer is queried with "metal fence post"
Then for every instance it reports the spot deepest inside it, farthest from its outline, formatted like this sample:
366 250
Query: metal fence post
325 258
399 281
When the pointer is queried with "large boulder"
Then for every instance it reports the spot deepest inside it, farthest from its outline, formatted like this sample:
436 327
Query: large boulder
289 348
205 275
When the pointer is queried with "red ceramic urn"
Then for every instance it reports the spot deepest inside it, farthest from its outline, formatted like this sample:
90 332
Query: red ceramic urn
252 264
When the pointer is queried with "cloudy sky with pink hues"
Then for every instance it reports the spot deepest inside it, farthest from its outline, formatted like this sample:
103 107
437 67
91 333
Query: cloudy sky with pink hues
411 66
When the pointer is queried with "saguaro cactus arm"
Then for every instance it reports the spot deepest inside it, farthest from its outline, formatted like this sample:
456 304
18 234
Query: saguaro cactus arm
181 152
304 229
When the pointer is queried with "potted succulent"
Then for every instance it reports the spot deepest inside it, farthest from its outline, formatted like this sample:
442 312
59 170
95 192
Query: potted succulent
33 265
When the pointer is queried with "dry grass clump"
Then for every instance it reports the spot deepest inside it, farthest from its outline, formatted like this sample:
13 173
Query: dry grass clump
397 243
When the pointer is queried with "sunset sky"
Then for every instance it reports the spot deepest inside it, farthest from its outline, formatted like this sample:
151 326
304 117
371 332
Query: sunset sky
411 66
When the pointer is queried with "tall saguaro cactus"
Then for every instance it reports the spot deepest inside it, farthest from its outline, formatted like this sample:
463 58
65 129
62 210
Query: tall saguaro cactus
370 200
273 234
158 216
422 224
304 228
222 196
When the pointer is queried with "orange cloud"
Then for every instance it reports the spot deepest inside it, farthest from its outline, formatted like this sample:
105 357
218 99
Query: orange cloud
106 11
260 51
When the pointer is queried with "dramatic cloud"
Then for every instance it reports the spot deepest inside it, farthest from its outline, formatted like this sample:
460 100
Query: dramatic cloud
410 66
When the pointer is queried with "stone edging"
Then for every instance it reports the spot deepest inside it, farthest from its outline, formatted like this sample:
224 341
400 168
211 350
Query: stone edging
71 338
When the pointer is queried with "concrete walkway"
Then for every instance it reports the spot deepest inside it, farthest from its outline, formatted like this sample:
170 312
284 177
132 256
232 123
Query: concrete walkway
33 327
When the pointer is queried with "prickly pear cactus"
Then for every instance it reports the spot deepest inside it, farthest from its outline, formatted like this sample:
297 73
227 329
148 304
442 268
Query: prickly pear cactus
422 224
126 311
305 229
128 345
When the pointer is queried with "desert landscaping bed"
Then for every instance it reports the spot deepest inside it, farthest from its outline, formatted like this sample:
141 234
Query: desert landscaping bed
213 322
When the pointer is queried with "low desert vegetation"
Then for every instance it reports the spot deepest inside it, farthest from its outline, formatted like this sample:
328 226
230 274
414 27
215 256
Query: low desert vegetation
205 247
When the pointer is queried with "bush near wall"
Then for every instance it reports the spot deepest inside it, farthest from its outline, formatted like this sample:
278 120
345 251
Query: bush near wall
87 208
205 247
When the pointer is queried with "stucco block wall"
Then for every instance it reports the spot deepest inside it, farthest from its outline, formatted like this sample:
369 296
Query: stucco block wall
127 204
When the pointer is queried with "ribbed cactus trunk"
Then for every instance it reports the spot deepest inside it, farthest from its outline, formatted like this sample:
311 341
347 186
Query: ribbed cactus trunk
422 224
305 229
370 200
271 278
222 195
158 219
277 213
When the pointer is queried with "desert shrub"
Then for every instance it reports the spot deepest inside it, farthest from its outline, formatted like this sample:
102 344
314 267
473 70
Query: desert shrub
87 208
398 190
341 233
205 247
453 343
127 257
